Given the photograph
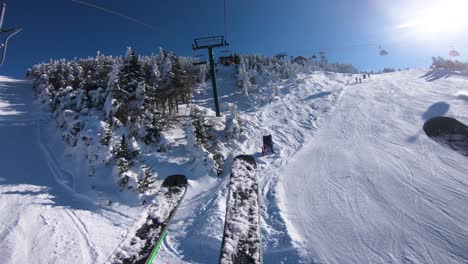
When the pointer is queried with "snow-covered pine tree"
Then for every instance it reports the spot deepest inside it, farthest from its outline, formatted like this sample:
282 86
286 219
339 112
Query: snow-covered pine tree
243 77
124 91
110 101
146 182
193 75
233 123
105 140
151 117
167 97
131 72
178 80
122 151
201 143
124 159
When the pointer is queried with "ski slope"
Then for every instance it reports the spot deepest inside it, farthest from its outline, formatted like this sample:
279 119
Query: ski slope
42 218
291 115
353 179
371 187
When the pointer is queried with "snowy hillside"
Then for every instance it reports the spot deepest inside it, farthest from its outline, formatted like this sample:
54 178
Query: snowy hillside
371 187
353 179
43 219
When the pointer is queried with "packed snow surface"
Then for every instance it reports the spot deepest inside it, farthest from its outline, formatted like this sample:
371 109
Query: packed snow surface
354 179
371 187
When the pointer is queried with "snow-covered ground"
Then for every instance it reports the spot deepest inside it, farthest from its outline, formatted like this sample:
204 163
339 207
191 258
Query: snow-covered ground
371 187
42 218
353 177
292 114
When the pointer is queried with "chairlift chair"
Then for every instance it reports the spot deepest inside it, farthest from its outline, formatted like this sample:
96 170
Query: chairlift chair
10 33
382 52
227 54
322 55
454 53
226 49
200 63
199 58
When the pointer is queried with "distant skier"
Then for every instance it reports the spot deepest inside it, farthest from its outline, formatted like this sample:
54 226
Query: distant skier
364 76
356 80
360 80
368 75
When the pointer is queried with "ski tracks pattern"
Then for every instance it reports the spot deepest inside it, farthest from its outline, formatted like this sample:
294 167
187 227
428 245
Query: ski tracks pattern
372 178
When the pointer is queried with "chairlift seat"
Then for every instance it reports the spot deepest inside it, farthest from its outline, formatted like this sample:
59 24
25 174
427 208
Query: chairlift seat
454 53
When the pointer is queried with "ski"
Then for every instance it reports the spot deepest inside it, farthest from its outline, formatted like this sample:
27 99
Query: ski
242 237
142 243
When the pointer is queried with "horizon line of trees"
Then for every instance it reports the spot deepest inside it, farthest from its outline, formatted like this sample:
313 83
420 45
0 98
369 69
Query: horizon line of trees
454 65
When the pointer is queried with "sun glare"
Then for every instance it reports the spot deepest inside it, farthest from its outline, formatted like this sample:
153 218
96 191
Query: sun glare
440 18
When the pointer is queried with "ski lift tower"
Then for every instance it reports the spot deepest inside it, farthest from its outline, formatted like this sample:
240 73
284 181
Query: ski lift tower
210 43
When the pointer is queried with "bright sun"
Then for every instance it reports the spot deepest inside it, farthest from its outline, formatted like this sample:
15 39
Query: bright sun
441 18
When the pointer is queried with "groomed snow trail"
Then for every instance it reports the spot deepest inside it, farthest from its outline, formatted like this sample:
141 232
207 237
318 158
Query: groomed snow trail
371 187
41 219
291 115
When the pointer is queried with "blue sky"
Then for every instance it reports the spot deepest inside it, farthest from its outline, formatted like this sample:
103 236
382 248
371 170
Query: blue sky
348 31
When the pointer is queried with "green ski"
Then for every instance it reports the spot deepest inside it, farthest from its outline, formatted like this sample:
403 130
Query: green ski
141 246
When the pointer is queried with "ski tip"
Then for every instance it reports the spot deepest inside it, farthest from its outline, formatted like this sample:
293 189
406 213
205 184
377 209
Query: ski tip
247 158
176 180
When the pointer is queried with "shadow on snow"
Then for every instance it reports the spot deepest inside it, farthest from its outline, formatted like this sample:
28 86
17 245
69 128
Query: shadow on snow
436 74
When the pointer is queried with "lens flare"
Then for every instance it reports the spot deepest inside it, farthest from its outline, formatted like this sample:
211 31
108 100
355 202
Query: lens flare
440 18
